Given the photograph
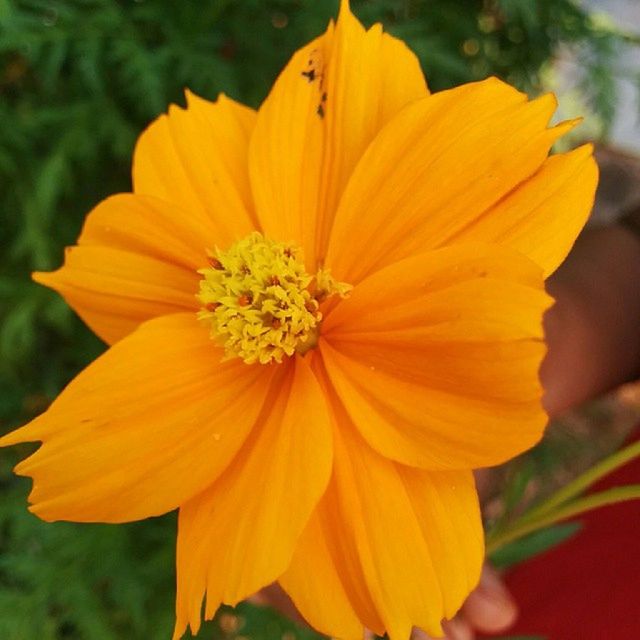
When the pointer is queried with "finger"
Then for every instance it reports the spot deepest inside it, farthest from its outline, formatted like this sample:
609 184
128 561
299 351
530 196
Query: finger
456 629
485 483
490 608
275 597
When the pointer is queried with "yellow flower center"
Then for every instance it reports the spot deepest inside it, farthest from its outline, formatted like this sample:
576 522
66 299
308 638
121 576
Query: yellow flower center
261 302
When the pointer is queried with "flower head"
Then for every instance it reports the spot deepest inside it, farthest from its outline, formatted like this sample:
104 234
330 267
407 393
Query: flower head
261 302
322 316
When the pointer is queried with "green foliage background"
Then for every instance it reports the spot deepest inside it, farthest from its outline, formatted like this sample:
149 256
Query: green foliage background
79 80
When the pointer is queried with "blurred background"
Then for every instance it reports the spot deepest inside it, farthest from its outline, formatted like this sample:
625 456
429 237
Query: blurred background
79 80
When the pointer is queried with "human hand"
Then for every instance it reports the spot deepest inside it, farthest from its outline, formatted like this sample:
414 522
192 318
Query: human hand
489 609
592 330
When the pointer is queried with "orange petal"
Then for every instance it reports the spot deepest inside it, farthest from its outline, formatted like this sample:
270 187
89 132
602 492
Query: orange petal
436 357
543 216
114 290
239 535
196 159
447 509
149 227
331 100
144 428
137 260
408 541
434 169
319 587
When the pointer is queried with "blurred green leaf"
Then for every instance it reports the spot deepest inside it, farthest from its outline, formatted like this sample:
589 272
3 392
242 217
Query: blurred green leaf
533 545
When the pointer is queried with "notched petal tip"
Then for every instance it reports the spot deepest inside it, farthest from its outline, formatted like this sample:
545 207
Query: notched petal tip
181 627
562 128
191 97
544 106
174 110
21 435
193 100
549 102
44 277
494 83
345 9
550 98
41 513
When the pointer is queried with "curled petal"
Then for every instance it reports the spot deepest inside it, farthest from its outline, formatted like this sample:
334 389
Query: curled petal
331 100
397 547
323 591
196 159
134 261
434 169
146 226
436 357
542 216
145 427
138 254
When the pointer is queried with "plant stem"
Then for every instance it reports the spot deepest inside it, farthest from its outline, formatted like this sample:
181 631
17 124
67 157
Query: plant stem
525 526
584 481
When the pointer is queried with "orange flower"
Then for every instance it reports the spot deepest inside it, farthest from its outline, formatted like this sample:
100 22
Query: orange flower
323 316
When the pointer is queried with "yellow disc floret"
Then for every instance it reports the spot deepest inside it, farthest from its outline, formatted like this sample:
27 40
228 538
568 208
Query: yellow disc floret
261 302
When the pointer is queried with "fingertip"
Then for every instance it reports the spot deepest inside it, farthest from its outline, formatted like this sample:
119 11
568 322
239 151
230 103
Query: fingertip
490 608
458 629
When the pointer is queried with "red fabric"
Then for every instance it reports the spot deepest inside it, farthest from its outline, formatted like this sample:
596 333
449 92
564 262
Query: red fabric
587 588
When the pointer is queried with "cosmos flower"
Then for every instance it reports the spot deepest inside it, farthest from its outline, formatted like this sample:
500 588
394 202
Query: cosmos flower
323 316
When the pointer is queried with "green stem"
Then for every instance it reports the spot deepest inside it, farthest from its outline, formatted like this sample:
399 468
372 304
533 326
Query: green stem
523 527
584 481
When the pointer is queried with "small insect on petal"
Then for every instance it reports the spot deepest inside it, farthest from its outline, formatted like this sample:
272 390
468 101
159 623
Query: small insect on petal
310 74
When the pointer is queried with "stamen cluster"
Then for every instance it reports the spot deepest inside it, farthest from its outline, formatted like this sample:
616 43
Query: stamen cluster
261 302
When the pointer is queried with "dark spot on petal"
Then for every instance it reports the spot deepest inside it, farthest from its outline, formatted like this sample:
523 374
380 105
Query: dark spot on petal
310 75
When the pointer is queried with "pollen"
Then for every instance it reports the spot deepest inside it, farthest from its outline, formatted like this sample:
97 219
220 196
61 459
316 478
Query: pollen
261 303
